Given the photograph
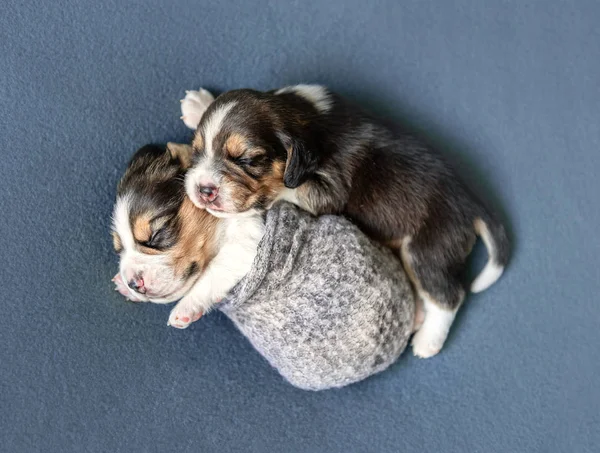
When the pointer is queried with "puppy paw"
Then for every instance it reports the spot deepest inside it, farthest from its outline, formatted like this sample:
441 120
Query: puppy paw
427 344
194 105
122 288
182 316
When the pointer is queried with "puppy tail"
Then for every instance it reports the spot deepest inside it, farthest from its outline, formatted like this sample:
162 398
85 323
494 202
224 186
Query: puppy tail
496 242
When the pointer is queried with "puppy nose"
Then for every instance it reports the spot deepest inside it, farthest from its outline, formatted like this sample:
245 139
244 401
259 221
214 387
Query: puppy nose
208 193
137 284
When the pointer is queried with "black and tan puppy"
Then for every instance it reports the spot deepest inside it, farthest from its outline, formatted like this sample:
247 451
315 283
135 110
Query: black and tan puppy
307 145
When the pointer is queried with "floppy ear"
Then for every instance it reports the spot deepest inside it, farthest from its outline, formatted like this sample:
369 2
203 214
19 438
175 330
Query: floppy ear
301 163
182 153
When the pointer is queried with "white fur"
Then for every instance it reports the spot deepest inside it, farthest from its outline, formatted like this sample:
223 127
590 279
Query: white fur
315 94
191 181
488 276
203 174
492 270
212 126
193 106
432 334
240 237
230 215
121 223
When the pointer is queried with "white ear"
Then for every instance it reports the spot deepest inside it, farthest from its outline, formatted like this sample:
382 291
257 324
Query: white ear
194 105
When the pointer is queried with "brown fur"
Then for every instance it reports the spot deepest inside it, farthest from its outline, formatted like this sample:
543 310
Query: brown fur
117 242
196 240
198 142
149 251
195 243
142 230
236 145
247 191
181 152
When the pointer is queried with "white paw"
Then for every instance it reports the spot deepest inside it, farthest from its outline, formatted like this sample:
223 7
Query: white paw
182 316
426 344
194 105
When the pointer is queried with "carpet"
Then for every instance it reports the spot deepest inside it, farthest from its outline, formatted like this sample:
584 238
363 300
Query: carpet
508 91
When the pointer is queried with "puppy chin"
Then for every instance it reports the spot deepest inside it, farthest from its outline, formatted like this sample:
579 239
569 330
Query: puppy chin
173 296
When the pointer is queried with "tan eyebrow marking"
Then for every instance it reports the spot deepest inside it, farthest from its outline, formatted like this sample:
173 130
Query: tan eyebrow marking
198 141
236 145
141 228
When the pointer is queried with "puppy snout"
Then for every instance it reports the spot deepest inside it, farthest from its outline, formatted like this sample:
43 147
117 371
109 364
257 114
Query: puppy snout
208 193
137 284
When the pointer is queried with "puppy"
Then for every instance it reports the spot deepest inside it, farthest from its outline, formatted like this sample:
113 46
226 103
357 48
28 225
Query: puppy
306 145
169 249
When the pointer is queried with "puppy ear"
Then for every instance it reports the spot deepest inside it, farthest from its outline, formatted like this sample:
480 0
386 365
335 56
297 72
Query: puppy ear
301 163
182 153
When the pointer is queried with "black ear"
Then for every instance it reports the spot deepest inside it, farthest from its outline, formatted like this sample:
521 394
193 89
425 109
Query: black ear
302 162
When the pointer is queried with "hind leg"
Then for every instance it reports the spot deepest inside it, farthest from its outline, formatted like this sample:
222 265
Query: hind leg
434 276
430 338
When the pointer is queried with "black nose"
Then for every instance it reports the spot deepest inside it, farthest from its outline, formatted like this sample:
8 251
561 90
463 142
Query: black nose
208 193
137 284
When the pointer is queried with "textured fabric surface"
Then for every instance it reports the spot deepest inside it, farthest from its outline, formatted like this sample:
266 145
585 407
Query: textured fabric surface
322 303
508 90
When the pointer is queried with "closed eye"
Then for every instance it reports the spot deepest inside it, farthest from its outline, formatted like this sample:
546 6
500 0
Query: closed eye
244 161
252 156
155 235
155 240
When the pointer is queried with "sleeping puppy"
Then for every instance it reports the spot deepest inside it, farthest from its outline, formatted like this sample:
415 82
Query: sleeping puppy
306 145
168 248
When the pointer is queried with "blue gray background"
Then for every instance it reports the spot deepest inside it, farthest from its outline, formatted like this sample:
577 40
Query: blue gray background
508 90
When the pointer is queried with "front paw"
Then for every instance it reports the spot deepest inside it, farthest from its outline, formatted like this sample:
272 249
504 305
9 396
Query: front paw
183 315
194 105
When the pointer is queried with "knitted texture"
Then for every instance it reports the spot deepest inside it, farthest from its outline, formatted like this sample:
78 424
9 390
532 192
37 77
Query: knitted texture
325 305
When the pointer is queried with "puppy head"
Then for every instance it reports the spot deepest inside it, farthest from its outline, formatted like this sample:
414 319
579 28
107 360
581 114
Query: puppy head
163 241
247 150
